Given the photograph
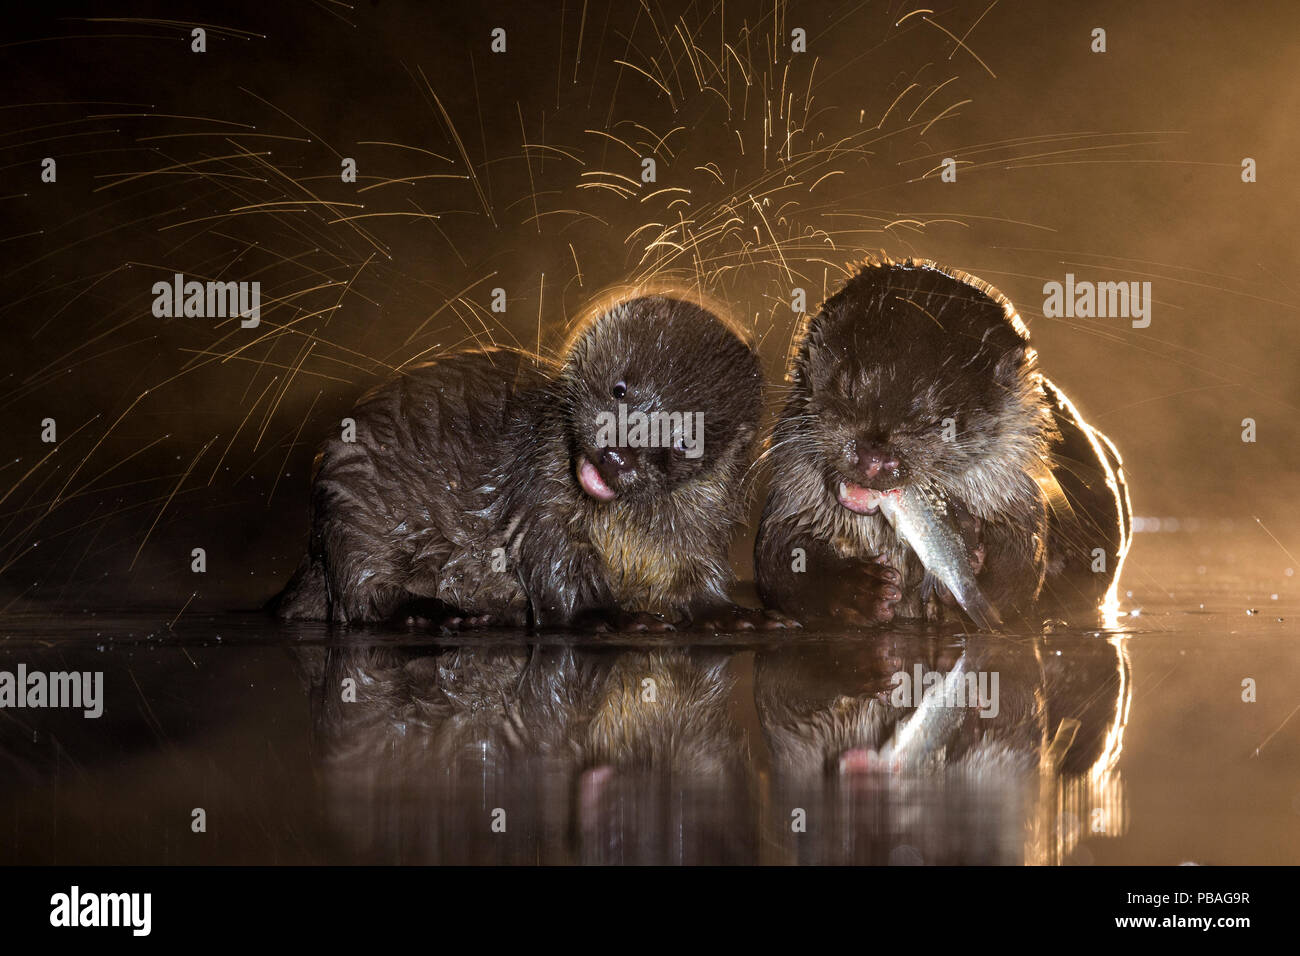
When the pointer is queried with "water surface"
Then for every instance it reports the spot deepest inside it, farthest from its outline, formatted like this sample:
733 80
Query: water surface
1123 744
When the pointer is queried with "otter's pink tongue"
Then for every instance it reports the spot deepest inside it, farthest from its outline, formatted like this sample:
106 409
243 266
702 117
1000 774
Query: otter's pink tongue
591 481
856 498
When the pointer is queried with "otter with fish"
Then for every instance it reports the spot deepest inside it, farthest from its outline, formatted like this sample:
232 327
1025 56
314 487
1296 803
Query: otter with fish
923 466
492 488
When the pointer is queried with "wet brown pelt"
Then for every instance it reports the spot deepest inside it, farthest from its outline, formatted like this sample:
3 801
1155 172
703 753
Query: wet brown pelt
477 452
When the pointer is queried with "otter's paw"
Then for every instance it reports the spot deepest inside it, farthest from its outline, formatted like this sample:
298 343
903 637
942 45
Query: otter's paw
470 622
616 621
730 618
865 593
450 621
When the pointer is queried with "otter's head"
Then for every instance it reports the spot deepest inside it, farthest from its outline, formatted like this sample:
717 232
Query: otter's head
914 374
659 393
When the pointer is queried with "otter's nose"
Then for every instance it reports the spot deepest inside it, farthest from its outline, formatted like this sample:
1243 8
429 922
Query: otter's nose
613 462
875 460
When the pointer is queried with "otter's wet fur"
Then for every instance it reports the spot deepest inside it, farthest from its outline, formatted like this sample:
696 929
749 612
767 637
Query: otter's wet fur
929 371
477 451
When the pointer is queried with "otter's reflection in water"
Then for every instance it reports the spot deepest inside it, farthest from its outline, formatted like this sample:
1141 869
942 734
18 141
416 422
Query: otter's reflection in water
1007 762
808 751
540 754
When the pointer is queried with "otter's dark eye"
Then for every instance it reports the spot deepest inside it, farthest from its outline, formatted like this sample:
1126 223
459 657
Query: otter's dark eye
619 389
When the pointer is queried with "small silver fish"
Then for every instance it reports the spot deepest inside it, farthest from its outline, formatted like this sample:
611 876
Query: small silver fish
922 516
922 740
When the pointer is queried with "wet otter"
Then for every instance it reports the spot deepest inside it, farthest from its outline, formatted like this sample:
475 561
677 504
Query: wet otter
490 487
913 372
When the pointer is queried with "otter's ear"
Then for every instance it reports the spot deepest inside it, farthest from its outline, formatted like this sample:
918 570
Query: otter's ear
817 364
1014 363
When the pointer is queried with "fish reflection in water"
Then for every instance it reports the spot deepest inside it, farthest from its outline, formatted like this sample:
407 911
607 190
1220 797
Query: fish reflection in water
790 752
936 783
